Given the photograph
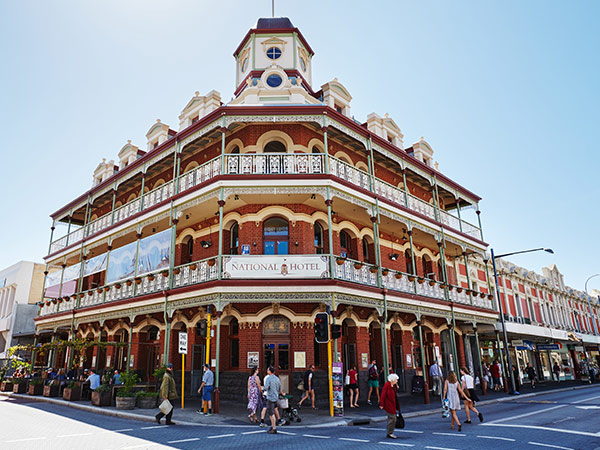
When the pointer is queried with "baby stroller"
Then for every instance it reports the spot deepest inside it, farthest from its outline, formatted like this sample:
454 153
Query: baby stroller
288 412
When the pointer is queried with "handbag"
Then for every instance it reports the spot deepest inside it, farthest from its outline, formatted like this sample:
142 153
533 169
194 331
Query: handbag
347 379
301 386
399 420
445 408
165 407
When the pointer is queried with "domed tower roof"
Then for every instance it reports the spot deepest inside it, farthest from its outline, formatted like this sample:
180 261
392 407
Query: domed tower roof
273 22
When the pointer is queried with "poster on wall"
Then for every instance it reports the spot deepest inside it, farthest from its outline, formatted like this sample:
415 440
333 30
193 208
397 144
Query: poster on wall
252 359
70 279
154 252
408 361
337 379
300 360
52 284
364 359
95 265
121 264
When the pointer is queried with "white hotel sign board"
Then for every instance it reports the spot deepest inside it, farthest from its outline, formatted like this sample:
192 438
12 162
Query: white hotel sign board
276 266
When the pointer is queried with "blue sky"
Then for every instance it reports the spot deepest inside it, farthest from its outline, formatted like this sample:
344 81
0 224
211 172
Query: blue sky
506 93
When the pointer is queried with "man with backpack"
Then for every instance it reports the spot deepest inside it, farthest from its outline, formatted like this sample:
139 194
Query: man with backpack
373 381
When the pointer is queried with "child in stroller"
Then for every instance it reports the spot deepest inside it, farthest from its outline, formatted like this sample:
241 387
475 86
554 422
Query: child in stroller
288 412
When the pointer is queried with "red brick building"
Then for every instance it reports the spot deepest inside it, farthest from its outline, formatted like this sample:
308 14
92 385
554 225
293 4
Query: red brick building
257 214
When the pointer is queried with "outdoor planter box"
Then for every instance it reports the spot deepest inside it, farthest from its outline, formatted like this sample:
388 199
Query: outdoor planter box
101 398
36 389
20 388
146 402
125 402
6 386
72 394
51 391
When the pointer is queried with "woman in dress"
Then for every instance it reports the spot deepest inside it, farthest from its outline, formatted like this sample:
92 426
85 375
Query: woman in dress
254 392
452 391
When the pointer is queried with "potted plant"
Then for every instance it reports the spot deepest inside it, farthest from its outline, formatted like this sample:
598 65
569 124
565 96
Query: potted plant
101 396
398 276
357 265
106 288
52 389
72 391
99 290
384 272
19 385
7 385
36 386
459 289
210 262
165 273
373 269
151 277
450 287
420 280
193 266
431 282
340 261
118 285
125 395
90 293
128 283
146 400
490 297
482 295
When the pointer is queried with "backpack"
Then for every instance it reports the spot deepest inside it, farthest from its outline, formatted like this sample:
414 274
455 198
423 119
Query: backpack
372 373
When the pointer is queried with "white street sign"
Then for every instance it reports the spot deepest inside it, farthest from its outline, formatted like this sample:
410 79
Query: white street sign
183 343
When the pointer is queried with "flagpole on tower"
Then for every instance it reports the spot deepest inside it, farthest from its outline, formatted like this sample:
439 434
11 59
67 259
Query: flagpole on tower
272 8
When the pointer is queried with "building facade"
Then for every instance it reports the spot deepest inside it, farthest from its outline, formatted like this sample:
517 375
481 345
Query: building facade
255 215
21 287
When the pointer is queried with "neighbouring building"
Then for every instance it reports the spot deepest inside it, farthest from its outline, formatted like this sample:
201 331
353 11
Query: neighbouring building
254 215
21 287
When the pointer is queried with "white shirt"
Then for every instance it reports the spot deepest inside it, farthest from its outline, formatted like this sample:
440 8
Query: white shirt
468 381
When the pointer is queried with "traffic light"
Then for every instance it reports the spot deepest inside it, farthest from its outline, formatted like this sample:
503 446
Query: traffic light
336 331
322 328
201 328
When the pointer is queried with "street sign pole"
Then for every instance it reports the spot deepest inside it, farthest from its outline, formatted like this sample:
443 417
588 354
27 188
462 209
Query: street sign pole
183 344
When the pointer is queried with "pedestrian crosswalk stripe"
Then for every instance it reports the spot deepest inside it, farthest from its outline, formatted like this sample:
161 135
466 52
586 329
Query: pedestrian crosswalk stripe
549 445
183 440
315 436
220 436
353 439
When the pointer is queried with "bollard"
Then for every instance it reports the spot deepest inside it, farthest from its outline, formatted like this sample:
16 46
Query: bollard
215 401
483 386
426 391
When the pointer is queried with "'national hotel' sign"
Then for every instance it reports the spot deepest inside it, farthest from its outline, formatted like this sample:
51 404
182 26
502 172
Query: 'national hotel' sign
276 266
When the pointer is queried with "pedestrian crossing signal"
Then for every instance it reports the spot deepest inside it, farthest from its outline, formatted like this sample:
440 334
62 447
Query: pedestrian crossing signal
322 328
201 328
336 331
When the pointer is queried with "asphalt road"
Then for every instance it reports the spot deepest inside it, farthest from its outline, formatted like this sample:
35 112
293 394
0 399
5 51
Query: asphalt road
566 420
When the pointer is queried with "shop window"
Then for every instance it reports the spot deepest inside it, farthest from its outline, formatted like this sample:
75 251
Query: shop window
234 240
318 239
275 236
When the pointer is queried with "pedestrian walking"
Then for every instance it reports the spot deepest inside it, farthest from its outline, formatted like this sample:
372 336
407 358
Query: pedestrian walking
168 391
486 373
373 381
272 390
353 387
309 387
389 403
206 388
263 407
453 392
435 373
516 378
495 369
556 371
468 387
254 393
531 374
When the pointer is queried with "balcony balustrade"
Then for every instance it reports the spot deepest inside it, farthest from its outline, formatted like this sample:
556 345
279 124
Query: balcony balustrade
267 164
199 272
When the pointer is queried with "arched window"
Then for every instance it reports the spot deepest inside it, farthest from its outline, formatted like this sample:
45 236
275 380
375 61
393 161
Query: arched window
234 342
316 149
235 150
275 147
408 260
345 244
187 250
427 267
153 333
318 239
275 236
365 246
234 240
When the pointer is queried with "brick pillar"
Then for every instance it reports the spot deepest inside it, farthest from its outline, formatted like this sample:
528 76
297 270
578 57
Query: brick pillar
136 352
110 352
362 345
251 341
460 350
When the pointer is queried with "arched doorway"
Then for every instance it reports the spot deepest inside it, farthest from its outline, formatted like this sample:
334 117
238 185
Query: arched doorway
276 347
397 354
120 362
349 344
275 236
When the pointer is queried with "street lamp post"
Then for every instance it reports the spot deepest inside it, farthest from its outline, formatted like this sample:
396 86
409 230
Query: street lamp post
504 335
587 296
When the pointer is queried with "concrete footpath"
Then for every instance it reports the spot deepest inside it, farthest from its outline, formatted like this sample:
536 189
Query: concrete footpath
235 414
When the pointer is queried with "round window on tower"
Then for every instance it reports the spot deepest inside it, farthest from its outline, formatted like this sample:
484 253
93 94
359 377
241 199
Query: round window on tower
273 52
244 64
274 80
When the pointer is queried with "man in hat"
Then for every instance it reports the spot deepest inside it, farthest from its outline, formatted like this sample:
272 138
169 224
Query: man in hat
168 391
208 380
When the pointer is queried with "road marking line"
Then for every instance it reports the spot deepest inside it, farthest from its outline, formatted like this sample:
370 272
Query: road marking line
534 427
408 431
549 445
154 427
497 437
353 440
396 443
254 432
220 436
74 435
119 431
27 439
287 432
585 400
505 419
316 436
183 440
440 448
450 434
